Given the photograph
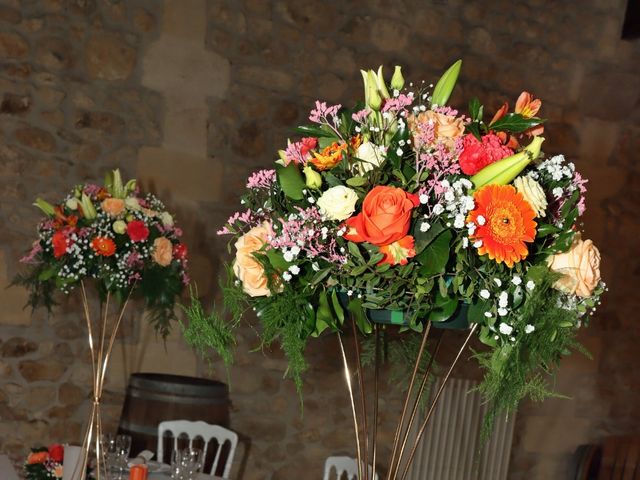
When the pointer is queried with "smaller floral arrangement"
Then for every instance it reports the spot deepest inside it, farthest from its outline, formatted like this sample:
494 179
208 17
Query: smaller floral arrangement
124 240
44 463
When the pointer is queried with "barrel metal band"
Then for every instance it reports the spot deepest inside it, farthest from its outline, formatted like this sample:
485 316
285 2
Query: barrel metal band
176 399
134 427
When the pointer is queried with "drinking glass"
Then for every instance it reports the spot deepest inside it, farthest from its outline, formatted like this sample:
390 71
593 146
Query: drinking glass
116 450
186 463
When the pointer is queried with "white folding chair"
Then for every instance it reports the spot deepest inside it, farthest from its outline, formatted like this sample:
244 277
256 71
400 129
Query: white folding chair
344 465
203 430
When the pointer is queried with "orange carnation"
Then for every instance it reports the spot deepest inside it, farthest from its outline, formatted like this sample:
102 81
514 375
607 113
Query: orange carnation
103 246
37 457
504 222
329 157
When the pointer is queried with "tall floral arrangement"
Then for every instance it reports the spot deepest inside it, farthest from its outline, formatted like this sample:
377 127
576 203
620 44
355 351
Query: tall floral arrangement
115 236
408 206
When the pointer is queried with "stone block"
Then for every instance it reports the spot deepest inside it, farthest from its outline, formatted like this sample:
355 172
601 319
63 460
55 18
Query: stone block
18 347
108 56
15 104
54 53
71 394
12 45
45 369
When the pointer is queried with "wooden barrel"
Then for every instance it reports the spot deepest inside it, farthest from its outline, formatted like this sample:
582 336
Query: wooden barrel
155 397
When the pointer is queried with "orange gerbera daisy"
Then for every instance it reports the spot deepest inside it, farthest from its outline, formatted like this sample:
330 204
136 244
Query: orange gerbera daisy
504 222
329 157
103 246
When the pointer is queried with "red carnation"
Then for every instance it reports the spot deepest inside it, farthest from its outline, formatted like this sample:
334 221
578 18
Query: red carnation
56 452
137 231
307 144
180 251
60 244
476 154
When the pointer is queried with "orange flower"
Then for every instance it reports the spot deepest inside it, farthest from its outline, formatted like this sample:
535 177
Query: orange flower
527 106
398 252
504 222
103 246
113 206
37 457
355 142
329 157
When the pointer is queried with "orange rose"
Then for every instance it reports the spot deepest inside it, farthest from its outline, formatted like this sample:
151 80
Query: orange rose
446 127
113 206
162 251
385 216
248 270
580 267
37 457
329 157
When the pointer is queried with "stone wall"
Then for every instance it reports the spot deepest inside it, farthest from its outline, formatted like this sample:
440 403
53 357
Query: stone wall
191 95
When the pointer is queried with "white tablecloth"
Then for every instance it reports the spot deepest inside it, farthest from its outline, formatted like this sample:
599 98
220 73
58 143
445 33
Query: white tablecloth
164 476
7 471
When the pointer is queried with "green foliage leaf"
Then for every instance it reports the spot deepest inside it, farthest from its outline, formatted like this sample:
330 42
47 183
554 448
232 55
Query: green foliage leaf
443 308
515 123
545 229
291 181
476 110
422 239
356 181
435 256
356 309
313 131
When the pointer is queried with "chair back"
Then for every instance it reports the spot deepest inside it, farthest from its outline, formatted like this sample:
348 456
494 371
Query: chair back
345 465
206 432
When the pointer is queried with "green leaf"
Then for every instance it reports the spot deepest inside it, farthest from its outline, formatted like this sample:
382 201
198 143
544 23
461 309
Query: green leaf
443 308
276 260
442 287
476 310
444 87
423 239
434 257
475 109
355 251
515 123
563 242
487 337
313 131
337 307
545 229
291 181
46 274
320 275
324 316
356 181
356 308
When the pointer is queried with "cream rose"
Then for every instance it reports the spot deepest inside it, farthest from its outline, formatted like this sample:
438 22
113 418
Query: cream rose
246 268
532 193
580 267
338 203
162 251
370 156
446 127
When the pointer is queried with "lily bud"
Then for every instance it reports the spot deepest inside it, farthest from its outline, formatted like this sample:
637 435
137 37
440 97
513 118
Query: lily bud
312 178
382 87
119 226
397 80
365 80
374 100
130 186
45 206
88 209
504 171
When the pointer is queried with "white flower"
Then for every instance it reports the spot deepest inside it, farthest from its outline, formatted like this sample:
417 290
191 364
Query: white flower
530 285
484 293
295 269
465 242
424 198
516 280
481 220
72 203
477 243
424 227
487 314
370 156
166 219
315 266
502 312
288 256
132 203
438 209
498 282
295 250
557 192
338 203
449 196
505 329
532 193
286 276
503 299
529 328
459 221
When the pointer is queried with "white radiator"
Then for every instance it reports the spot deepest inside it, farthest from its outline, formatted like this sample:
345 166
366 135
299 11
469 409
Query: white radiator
449 447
